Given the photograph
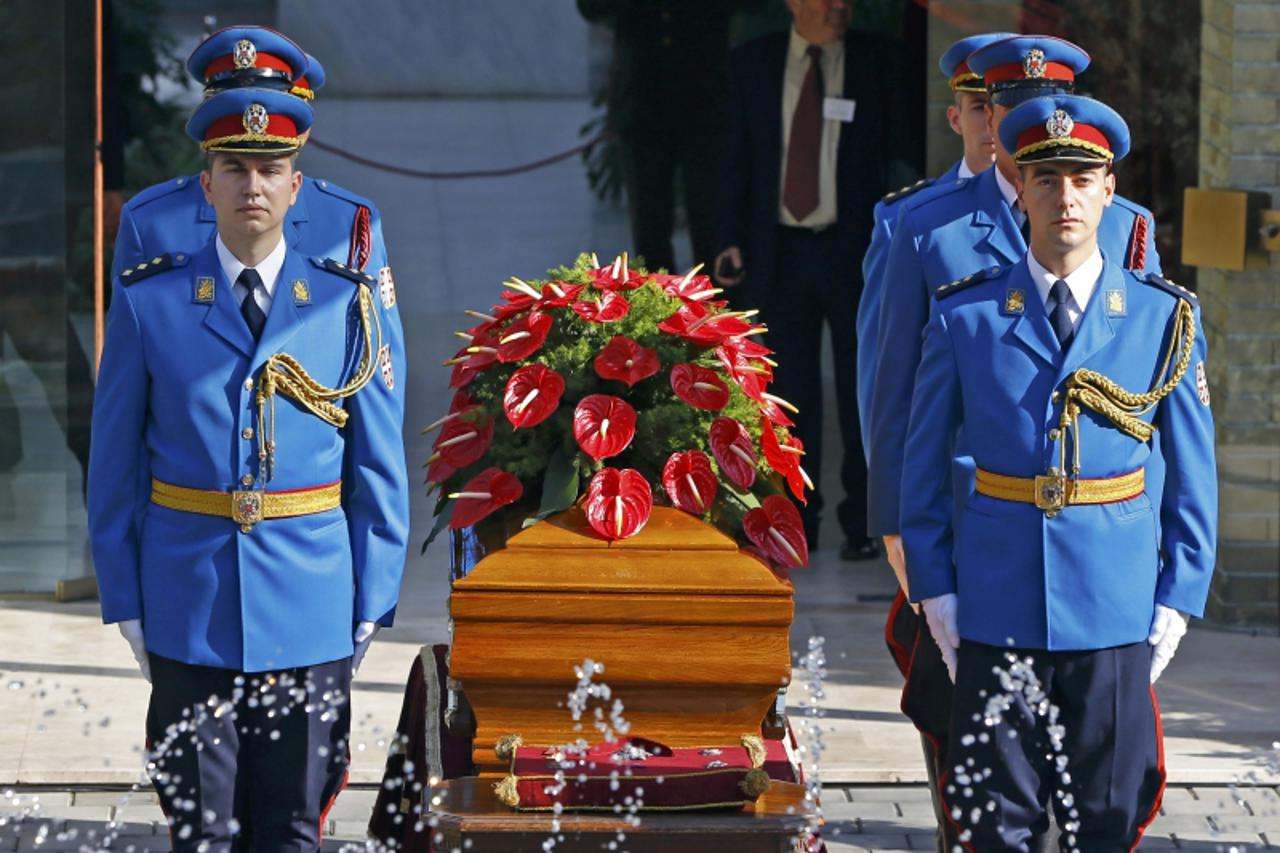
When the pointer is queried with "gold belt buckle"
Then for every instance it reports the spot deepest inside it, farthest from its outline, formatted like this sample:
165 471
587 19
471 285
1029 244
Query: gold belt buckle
1051 492
246 509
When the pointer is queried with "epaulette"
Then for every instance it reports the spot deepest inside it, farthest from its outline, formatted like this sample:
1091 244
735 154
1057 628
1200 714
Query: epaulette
1175 290
909 189
968 281
158 264
343 270
161 190
329 187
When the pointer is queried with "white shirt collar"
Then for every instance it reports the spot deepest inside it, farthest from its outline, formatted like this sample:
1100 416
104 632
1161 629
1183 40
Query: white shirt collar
798 46
964 171
1081 281
1008 190
269 269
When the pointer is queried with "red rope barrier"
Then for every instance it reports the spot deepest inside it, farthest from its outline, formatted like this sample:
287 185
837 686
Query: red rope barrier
448 176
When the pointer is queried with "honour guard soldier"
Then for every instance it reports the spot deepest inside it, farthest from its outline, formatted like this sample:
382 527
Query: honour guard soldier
947 233
248 499
927 692
326 220
1054 588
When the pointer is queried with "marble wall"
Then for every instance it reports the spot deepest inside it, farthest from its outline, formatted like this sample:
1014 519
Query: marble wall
429 48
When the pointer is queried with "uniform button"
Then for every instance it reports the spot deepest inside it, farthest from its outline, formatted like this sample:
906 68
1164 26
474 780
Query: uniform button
248 385
247 433
246 480
1054 434
1057 395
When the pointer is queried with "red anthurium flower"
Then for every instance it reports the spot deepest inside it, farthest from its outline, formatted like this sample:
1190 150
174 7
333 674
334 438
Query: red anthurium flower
772 406
689 287
748 347
689 481
460 404
532 394
522 338
784 457
487 491
603 425
612 306
735 454
699 387
464 440
751 374
616 276
775 528
625 360
699 324
557 294
618 502
439 470
462 374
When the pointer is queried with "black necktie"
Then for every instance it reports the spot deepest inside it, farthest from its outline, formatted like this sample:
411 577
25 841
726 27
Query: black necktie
249 310
1059 294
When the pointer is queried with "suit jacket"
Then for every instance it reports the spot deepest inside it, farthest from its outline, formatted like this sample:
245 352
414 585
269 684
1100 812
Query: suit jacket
1090 576
176 401
943 234
752 165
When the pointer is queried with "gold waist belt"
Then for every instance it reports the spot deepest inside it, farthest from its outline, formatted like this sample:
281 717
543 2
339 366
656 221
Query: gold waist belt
247 508
1053 491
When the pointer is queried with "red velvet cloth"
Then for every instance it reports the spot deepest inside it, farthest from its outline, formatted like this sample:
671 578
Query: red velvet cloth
658 778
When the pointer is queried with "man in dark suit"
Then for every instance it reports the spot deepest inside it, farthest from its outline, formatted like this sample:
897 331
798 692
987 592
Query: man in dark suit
807 154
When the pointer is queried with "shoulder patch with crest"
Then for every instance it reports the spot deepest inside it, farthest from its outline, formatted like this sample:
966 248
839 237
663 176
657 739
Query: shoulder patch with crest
1202 383
1169 287
338 268
908 190
968 281
158 264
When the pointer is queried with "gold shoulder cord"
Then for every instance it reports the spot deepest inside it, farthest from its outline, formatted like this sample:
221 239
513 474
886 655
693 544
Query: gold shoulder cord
1124 408
282 374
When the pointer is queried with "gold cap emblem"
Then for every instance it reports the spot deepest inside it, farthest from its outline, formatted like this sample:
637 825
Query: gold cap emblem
1059 125
256 119
244 55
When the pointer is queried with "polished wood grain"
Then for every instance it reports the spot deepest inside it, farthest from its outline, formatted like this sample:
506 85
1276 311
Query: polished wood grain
693 633
467 811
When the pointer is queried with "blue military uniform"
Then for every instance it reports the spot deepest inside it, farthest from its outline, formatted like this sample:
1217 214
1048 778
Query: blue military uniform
248 495
943 235
1057 559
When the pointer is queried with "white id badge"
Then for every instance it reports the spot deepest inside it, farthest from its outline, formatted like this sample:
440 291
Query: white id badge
839 109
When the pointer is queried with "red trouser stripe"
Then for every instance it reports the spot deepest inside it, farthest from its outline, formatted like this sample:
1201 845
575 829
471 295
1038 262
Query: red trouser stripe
1164 777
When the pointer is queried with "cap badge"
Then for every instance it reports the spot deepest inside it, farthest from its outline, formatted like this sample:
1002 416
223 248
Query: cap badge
244 55
256 119
1033 63
1059 125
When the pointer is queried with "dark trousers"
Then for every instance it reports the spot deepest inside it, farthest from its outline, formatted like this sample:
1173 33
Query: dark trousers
1109 736
811 287
248 761
650 160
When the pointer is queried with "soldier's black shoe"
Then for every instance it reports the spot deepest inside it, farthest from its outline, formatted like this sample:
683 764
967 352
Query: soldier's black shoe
856 550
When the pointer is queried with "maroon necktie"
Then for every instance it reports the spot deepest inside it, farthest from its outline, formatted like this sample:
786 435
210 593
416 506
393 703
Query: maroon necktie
800 193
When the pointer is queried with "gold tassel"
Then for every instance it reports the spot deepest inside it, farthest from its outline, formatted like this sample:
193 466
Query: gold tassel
507 792
755 783
506 747
754 744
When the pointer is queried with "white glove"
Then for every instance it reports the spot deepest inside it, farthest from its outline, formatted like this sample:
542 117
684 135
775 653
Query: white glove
131 630
363 637
940 613
1167 629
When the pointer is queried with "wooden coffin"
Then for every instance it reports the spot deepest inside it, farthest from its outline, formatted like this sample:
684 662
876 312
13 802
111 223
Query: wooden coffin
693 633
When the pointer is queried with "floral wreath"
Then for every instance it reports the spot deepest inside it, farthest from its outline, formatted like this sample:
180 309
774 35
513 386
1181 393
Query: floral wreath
612 387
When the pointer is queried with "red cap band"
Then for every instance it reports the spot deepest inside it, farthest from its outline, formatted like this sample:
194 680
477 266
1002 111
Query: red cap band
1079 133
262 60
233 125
1015 71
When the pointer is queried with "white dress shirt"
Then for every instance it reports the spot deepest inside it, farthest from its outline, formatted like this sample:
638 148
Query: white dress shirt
1081 282
833 86
1010 193
964 171
268 270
